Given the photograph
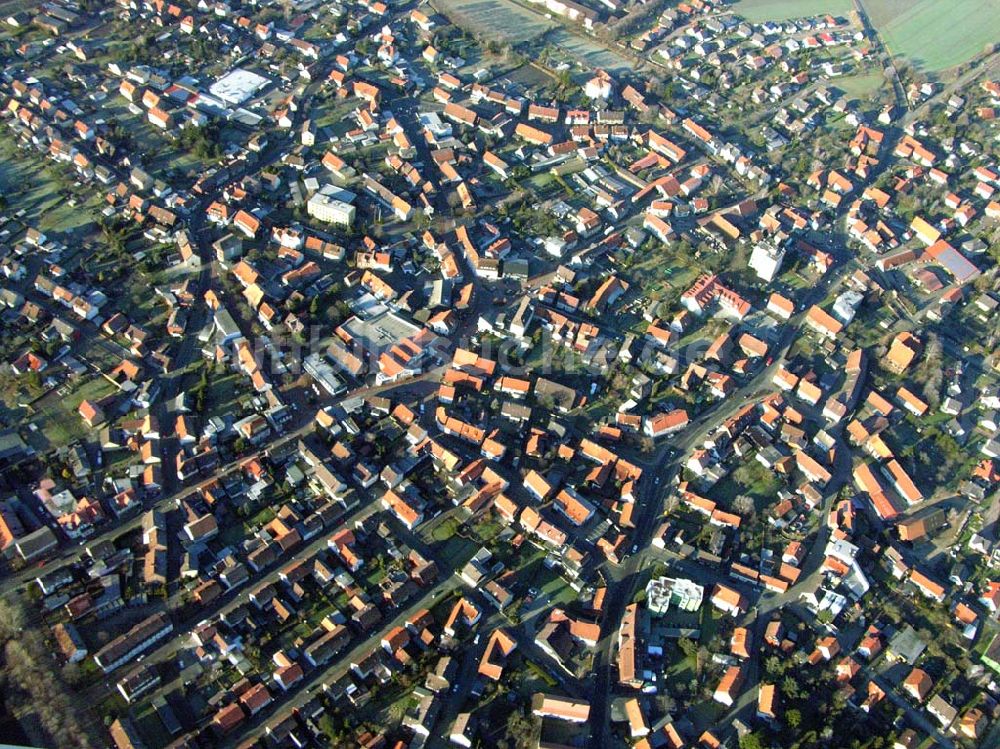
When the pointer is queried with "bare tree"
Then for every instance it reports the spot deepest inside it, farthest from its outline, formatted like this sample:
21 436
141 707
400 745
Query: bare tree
744 505
933 374
11 618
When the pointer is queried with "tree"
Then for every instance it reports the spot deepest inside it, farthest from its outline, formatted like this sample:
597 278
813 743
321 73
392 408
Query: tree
203 142
793 717
790 688
933 372
521 730
688 647
751 741
743 505
12 618
774 665
28 664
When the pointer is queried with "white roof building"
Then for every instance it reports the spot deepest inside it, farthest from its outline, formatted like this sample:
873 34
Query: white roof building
683 594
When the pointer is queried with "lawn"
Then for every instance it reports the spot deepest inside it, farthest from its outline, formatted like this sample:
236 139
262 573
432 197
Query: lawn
444 530
681 668
456 551
43 190
222 394
706 713
751 479
860 86
537 679
151 727
590 54
57 416
709 624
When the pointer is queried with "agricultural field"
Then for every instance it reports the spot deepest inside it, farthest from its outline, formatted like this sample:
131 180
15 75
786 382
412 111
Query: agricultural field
934 35
512 22
590 54
930 34
495 18
759 11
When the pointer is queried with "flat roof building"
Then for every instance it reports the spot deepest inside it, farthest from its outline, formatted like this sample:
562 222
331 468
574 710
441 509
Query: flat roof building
664 592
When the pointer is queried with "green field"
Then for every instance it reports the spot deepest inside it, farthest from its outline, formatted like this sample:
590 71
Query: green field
931 34
56 414
936 35
43 190
860 86
758 11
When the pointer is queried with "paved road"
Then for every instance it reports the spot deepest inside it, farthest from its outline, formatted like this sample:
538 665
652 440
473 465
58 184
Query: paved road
299 695
241 595
913 715
303 425
650 504
887 59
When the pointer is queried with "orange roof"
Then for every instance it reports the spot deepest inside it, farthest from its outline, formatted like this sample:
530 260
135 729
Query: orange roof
576 509
513 385
927 586
903 483
533 134
463 608
626 645
726 518
903 351
809 466
918 683
500 645
866 479
708 740
911 401
879 404
727 596
822 321
766 700
927 233
730 682
705 506
964 614
537 484
247 222
407 514
561 707
738 643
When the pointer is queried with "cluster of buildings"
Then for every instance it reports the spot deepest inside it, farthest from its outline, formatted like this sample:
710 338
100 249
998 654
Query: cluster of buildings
558 336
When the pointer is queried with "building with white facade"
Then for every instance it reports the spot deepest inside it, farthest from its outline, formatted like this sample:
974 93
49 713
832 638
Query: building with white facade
664 592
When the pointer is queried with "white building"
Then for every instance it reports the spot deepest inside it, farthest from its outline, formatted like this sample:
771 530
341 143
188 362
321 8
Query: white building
664 592
765 261
237 86
846 306
600 86
329 209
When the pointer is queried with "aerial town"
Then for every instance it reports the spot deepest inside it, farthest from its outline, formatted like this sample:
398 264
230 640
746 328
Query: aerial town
510 373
